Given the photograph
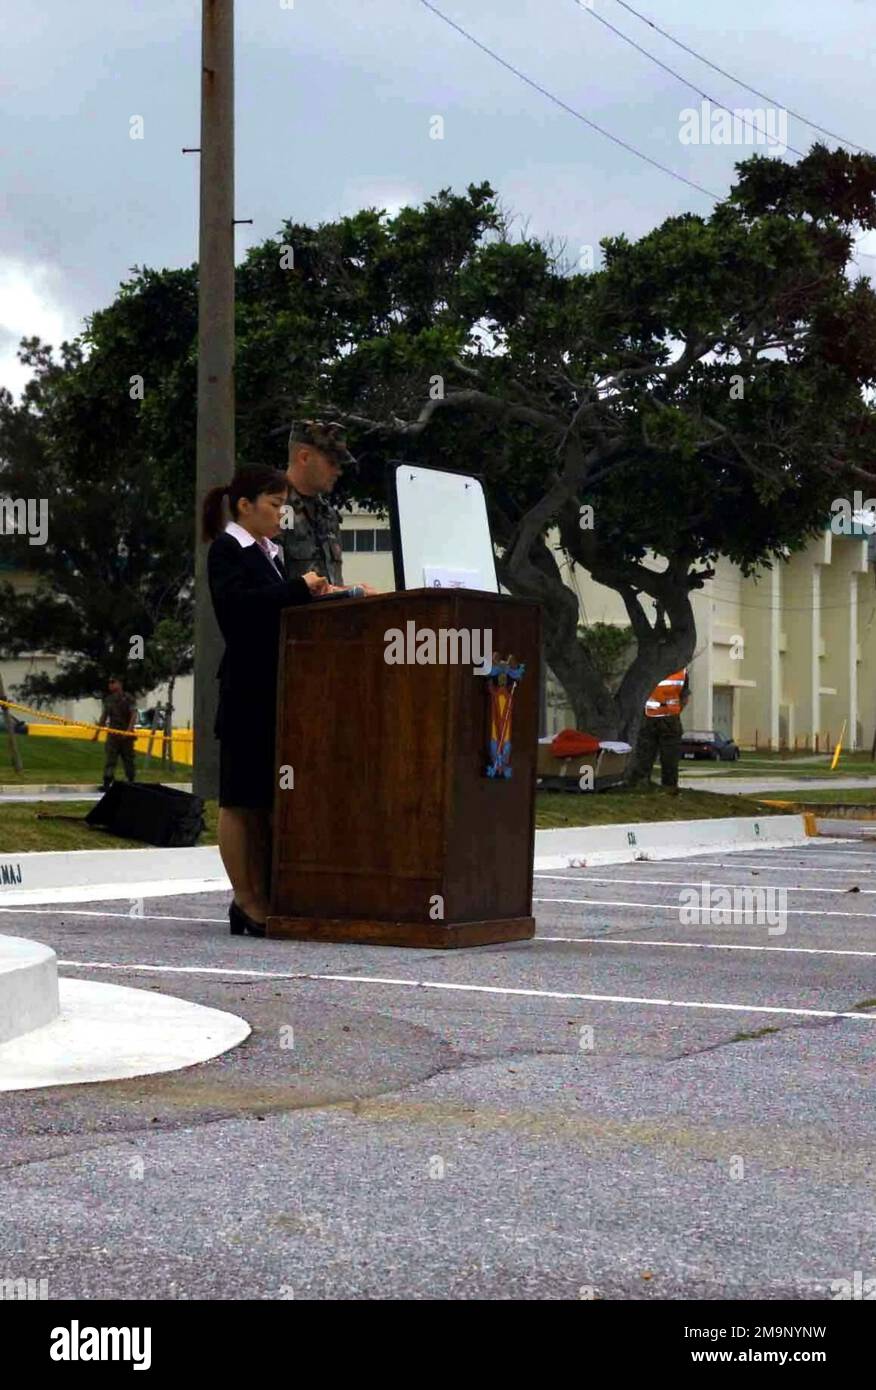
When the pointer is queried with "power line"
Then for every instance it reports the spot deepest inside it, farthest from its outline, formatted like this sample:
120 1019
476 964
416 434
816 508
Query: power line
730 601
739 82
582 5
726 591
565 107
779 607
730 597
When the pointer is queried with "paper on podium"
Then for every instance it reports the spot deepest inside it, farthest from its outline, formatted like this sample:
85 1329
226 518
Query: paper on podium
440 577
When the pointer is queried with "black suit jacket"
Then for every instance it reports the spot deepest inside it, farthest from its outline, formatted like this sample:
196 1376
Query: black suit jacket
249 595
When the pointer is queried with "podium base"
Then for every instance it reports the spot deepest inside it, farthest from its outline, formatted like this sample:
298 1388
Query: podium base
370 932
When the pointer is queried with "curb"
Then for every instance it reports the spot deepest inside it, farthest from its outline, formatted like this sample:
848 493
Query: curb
10 788
109 874
40 788
109 1032
28 987
582 847
85 875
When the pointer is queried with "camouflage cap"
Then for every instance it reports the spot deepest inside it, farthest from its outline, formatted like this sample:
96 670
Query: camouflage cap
327 435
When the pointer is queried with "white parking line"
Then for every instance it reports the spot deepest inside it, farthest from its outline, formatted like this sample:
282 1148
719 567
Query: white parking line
809 854
685 883
586 902
393 982
674 907
705 945
785 867
761 864
596 940
94 912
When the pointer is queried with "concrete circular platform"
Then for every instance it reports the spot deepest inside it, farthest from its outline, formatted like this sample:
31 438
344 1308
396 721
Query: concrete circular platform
62 1033
28 986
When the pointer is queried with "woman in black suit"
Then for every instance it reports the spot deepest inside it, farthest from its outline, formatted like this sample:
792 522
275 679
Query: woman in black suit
249 590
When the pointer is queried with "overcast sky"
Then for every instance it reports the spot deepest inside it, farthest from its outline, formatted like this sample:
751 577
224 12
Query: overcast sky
335 100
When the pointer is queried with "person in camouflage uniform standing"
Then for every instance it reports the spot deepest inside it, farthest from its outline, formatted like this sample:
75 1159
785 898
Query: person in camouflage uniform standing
311 529
119 712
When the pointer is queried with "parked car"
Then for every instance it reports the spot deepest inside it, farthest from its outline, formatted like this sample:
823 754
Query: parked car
145 718
711 746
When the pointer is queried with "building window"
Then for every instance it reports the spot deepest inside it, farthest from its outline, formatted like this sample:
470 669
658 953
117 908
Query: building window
366 539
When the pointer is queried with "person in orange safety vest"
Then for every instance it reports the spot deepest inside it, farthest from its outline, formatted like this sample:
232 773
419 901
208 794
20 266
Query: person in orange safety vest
660 732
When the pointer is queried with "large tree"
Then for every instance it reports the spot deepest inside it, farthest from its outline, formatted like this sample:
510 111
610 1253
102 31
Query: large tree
705 393
104 435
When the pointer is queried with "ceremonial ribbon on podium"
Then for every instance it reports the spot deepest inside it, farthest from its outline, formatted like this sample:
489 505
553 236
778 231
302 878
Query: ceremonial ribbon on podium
502 680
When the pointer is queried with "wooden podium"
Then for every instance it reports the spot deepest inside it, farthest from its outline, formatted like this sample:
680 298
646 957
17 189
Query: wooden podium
391 832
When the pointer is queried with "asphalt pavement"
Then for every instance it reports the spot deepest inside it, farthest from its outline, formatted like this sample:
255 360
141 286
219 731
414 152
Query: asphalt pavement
627 1107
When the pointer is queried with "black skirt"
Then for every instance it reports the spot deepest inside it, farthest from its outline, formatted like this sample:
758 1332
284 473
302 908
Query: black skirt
247 756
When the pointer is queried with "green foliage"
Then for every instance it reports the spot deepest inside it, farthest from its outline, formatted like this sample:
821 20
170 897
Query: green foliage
118 475
609 648
705 391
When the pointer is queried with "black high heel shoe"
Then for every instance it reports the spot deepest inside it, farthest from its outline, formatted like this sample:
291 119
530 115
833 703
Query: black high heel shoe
241 923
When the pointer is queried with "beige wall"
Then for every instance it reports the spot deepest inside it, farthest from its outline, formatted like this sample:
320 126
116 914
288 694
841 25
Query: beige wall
367 567
789 650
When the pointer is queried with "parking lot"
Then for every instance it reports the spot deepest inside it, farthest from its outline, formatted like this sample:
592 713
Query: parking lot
625 1107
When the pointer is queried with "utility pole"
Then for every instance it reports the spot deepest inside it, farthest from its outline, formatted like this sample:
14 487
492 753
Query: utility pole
215 442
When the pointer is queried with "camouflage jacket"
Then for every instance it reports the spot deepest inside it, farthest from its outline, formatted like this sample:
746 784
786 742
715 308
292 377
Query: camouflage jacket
117 710
310 537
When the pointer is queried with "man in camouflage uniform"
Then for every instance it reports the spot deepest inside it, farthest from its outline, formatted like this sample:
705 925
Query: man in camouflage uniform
119 712
311 529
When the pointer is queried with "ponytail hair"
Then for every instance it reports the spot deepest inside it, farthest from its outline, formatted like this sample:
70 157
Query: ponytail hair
250 481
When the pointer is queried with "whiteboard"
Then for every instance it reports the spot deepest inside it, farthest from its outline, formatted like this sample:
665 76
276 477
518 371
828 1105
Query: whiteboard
441 535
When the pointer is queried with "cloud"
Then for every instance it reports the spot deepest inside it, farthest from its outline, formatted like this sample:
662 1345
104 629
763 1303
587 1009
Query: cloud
865 246
30 306
377 192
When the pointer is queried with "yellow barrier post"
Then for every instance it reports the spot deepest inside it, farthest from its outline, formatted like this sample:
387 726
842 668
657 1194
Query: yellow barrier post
836 751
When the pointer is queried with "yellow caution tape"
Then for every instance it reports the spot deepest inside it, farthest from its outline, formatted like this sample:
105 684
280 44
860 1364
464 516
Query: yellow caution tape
75 723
